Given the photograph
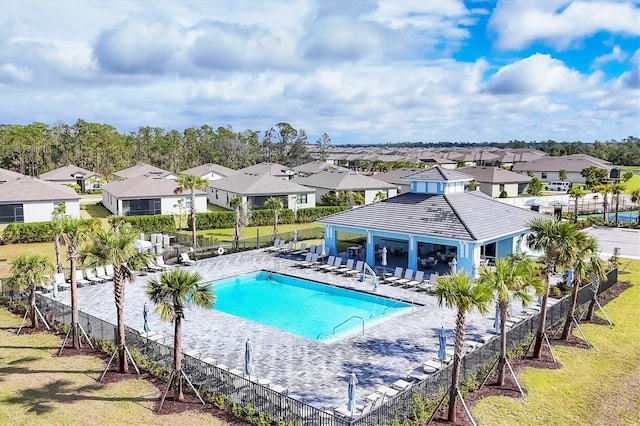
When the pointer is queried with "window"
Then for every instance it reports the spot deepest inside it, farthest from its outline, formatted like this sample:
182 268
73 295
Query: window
216 194
302 198
501 187
11 213
544 175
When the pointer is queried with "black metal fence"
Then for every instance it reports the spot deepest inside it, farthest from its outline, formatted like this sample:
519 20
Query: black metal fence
281 407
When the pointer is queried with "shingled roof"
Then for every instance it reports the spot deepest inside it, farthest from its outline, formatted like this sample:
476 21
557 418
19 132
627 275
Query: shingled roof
208 168
144 187
66 173
252 184
15 187
439 174
462 216
340 180
494 175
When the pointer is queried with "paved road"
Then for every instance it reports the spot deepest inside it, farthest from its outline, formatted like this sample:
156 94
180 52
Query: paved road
628 240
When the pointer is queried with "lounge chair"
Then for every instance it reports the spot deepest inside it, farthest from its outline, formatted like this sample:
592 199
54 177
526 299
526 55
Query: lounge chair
286 249
313 261
80 281
386 391
102 274
277 245
357 270
161 264
396 275
185 260
337 261
92 277
417 280
429 286
347 267
408 276
152 266
360 410
58 279
330 261
47 285
302 250
109 271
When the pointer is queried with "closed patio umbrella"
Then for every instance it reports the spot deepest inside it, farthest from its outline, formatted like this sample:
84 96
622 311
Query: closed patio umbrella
145 314
442 344
570 277
248 355
351 392
496 319
453 266
384 260
295 237
55 289
323 249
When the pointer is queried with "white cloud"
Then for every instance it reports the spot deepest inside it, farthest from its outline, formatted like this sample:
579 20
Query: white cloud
560 23
616 55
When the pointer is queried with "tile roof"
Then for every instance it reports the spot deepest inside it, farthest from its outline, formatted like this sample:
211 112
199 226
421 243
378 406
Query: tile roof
340 180
143 187
209 168
251 184
15 187
67 173
141 169
462 216
439 174
487 174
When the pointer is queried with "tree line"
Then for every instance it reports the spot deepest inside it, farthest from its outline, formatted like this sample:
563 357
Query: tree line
37 148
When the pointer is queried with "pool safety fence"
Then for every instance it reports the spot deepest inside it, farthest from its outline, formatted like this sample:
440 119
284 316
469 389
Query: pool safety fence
286 407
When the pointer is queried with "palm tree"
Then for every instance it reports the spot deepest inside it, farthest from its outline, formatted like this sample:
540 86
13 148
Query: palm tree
635 198
459 291
576 193
604 189
74 233
617 190
171 292
557 240
28 271
236 205
191 183
117 249
275 204
513 278
586 264
58 214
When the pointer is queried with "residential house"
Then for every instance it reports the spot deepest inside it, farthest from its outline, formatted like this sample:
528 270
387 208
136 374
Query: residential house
548 169
147 195
255 189
396 177
436 220
27 199
142 169
74 175
209 171
314 167
337 181
272 169
495 181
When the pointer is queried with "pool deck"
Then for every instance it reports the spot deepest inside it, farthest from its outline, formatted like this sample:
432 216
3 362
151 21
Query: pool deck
316 372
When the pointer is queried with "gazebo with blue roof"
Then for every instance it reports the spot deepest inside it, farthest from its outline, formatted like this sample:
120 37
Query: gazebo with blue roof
436 220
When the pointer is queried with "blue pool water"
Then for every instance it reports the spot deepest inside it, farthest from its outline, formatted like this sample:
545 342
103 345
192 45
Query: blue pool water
299 306
622 216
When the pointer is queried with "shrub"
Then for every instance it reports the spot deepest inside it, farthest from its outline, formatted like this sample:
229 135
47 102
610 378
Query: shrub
265 217
34 232
212 220
309 215
152 223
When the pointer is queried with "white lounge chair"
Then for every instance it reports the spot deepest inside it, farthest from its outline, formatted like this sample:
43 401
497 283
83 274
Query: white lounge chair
330 261
102 274
417 280
396 275
58 279
161 264
408 276
357 270
92 277
153 267
80 281
277 245
313 260
302 250
109 271
347 267
430 285
337 262
185 260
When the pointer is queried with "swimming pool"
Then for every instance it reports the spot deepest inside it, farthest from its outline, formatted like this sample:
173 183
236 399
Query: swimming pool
305 308
622 216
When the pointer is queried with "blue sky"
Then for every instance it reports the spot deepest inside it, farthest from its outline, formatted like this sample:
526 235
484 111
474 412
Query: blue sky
361 71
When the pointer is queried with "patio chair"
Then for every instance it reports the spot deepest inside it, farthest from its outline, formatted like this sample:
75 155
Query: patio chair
153 267
277 245
417 280
347 267
302 250
102 274
161 264
337 261
288 248
408 276
109 272
357 270
313 261
92 277
185 260
58 279
430 285
47 285
80 281
396 275
360 410
330 261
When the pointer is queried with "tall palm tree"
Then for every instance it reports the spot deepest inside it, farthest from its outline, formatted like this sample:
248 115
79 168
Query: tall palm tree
171 292
191 183
586 264
117 249
58 214
617 190
512 278
236 205
635 198
604 189
275 204
28 271
74 233
576 193
557 240
460 292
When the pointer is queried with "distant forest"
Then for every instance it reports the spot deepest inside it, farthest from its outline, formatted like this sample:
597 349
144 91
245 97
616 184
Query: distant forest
37 148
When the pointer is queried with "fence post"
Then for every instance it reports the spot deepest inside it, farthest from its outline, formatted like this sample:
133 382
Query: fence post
257 238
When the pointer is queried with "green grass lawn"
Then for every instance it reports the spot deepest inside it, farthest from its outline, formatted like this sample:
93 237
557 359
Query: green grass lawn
11 251
40 388
598 386
215 208
96 211
632 184
250 231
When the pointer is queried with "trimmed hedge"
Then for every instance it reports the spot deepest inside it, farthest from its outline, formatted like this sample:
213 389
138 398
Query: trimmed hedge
263 217
33 232
152 223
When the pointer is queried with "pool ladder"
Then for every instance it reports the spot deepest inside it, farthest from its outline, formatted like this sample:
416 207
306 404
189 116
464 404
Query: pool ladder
344 322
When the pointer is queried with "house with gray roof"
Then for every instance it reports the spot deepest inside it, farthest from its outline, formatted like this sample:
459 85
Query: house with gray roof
209 171
396 177
337 181
142 169
148 195
272 169
28 199
74 175
314 167
495 181
436 220
256 188
548 169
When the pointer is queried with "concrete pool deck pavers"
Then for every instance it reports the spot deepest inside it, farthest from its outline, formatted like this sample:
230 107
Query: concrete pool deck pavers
315 371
